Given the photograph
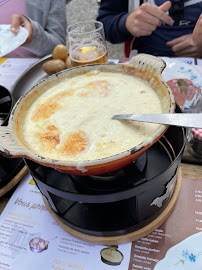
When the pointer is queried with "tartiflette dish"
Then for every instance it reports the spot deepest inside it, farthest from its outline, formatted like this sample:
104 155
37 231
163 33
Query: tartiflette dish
65 120
72 120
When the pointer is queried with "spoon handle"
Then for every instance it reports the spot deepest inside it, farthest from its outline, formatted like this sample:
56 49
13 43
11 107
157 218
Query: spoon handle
193 120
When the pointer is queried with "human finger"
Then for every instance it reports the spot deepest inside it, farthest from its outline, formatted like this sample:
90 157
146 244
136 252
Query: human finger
138 27
18 20
159 12
176 41
165 6
15 23
143 32
197 33
142 16
188 52
145 25
142 29
184 47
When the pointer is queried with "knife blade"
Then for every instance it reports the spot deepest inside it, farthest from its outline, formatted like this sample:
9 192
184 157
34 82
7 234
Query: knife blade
191 120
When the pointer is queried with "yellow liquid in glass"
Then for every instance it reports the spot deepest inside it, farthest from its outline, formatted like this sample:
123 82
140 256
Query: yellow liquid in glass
89 55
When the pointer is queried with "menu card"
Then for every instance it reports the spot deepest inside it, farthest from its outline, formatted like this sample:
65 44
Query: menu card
12 68
30 237
185 220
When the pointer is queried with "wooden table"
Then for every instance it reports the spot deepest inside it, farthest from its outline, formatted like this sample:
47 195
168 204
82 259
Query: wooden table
191 171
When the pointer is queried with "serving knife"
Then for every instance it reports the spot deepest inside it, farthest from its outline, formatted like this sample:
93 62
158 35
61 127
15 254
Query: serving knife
191 120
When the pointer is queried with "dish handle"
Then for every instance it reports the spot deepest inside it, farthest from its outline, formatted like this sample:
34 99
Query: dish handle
8 146
151 62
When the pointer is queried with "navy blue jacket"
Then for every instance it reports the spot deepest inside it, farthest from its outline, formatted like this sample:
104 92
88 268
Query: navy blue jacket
113 14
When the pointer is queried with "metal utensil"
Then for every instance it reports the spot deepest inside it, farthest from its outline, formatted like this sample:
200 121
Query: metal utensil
193 120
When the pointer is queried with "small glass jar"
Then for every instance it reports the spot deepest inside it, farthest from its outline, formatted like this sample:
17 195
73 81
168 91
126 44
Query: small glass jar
194 142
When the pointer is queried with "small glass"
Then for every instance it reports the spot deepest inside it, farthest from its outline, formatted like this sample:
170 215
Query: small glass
86 42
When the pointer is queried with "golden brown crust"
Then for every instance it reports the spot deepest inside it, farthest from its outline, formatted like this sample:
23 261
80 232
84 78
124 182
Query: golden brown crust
51 106
45 110
75 143
50 138
101 87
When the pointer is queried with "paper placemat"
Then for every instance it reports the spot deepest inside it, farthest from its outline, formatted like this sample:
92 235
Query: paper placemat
25 221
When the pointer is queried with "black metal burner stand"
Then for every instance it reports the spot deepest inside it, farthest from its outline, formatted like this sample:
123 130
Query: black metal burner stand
11 169
118 203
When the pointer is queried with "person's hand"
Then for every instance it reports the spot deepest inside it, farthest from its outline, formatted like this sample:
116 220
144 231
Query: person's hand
197 33
188 45
19 20
145 19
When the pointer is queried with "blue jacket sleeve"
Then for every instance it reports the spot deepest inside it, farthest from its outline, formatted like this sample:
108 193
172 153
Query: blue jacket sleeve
113 14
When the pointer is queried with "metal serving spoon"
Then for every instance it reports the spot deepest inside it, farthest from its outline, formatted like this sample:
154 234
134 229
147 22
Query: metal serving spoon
193 120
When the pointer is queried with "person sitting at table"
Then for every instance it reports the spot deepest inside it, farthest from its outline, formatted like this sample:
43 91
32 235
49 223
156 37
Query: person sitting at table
45 21
157 27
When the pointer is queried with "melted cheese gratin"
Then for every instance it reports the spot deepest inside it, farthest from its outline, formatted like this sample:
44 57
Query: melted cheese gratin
72 121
